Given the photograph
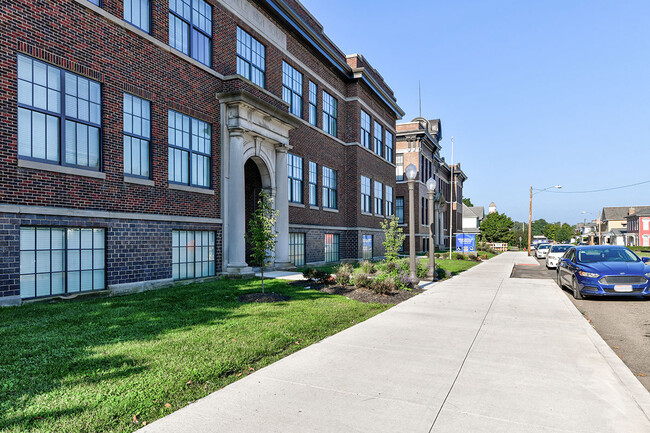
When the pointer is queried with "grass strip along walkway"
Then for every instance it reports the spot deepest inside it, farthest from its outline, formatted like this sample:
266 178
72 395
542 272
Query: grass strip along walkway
112 364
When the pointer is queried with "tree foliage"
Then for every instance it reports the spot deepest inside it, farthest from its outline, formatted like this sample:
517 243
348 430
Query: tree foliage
468 202
497 227
261 232
394 238
538 227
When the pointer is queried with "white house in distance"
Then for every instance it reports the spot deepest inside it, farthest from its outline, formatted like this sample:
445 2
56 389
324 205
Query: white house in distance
472 217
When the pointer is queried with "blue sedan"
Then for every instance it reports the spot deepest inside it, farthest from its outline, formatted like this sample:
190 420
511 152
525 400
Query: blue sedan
604 270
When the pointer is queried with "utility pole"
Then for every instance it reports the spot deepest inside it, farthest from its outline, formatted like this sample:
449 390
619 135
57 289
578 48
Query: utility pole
451 199
530 219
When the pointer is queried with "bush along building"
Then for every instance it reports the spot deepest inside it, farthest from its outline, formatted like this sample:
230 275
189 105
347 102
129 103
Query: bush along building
137 134
418 143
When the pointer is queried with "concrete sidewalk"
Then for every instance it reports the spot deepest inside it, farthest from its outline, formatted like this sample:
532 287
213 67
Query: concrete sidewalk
478 353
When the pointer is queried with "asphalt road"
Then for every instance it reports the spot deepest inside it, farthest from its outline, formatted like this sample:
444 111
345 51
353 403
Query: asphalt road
624 323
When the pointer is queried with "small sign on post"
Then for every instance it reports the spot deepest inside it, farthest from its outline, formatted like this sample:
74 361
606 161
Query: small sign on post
466 242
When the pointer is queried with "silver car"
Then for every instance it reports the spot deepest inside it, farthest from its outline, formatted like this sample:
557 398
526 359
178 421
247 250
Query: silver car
542 251
554 255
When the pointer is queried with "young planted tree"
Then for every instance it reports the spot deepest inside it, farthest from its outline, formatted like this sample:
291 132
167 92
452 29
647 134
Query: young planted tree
394 238
261 233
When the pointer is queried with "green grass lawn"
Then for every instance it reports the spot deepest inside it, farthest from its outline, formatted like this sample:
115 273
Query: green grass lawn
91 365
453 266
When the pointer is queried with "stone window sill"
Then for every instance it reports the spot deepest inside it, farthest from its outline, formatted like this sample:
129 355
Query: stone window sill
24 163
314 207
293 204
366 213
328 209
138 181
193 189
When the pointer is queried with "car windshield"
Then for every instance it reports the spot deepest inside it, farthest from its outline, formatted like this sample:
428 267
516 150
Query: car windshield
544 247
559 248
605 254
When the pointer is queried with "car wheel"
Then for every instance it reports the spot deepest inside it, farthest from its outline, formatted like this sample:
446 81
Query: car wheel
576 291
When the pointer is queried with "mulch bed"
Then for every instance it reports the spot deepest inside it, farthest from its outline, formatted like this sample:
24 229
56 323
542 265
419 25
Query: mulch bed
360 294
263 297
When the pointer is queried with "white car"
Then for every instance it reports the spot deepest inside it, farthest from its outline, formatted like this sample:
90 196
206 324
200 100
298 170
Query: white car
554 255
542 250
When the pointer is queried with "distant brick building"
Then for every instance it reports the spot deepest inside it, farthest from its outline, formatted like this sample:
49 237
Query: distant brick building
638 226
136 135
418 143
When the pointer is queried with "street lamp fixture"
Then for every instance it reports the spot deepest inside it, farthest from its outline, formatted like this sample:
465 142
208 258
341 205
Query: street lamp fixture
411 174
530 211
431 190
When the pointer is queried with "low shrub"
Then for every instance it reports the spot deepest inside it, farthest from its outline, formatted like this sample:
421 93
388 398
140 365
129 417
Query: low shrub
308 273
441 273
367 267
383 284
422 269
361 279
322 277
343 274
459 256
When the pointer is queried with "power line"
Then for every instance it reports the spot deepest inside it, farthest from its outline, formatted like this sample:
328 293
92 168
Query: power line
599 190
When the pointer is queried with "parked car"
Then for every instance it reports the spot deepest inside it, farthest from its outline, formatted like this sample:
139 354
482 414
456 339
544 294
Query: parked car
554 255
604 270
542 251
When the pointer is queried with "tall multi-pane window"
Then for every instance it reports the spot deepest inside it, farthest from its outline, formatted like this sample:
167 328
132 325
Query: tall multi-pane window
313 183
192 254
137 134
294 166
389 200
313 103
329 188
297 249
51 123
365 195
399 166
424 212
399 209
331 248
330 113
389 147
379 198
55 261
366 247
365 129
292 88
190 150
251 58
190 29
379 139
138 12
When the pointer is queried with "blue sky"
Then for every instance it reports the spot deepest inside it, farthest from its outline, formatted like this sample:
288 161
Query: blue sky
535 93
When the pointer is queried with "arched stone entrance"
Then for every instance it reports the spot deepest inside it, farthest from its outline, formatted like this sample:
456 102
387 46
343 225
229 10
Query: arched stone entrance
255 145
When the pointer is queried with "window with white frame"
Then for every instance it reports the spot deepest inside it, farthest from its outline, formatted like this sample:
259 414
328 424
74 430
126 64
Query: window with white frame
193 254
292 88
313 183
399 209
294 164
330 113
332 248
190 150
313 103
365 129
379 198
297 248
389 147
379 139
366 247
56 261
329 188
366 200
137 136
52 122
138 12
190 29
389 200
399 166
251 58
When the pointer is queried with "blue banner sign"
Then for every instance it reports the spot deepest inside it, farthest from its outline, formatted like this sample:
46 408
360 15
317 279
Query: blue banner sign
466 242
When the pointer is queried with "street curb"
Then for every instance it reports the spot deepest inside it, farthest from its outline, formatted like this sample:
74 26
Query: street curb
637 391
